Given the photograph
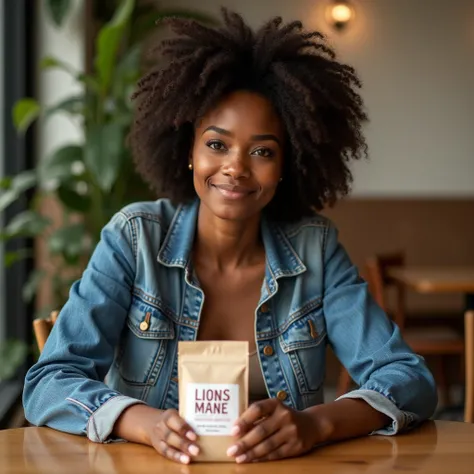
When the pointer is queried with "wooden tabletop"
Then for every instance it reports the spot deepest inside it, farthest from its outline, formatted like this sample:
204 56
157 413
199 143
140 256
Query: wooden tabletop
435 279
434 448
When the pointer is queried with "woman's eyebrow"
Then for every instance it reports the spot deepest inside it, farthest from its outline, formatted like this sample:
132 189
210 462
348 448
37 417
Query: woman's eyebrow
222 131
268 136
263 137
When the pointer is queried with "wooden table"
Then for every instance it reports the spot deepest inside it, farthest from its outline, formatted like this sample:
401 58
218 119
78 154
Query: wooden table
437 280
435 447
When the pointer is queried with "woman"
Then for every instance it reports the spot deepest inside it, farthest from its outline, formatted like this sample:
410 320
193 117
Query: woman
248 134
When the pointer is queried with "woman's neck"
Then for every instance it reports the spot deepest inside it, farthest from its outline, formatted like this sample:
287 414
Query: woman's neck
227 244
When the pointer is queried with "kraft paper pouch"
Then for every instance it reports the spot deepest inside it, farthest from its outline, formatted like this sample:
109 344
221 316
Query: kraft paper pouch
213 392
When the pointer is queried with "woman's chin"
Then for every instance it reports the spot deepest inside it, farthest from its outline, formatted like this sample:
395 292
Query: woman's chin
233 211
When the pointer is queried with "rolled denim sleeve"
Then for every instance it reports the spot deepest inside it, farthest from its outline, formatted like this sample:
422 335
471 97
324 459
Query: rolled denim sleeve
65 389
391 378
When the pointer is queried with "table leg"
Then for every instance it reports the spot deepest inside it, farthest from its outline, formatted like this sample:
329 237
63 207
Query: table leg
469 301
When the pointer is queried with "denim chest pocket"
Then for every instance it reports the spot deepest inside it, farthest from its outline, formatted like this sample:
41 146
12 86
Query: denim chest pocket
304 342
143 344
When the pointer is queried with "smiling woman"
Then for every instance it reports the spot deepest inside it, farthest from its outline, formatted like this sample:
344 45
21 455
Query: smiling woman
248 134
310 99
237 156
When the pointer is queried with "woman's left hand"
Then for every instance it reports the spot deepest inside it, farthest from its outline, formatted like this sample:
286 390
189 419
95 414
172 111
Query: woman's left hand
269 430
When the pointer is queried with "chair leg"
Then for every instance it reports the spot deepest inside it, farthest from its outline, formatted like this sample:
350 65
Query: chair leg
441 375
344 382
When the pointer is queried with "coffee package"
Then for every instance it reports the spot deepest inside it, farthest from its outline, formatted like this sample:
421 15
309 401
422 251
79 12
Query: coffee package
213 392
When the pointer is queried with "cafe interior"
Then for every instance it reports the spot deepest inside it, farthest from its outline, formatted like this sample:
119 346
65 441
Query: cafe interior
408 223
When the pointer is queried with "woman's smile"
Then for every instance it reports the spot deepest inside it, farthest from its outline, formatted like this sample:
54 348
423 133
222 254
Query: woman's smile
234 192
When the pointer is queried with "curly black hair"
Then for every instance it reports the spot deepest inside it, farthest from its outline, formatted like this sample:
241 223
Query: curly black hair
315 96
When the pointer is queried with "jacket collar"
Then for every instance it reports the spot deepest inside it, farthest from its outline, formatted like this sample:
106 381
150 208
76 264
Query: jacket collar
282 259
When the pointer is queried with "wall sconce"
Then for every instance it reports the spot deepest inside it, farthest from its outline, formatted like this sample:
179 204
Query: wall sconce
339 13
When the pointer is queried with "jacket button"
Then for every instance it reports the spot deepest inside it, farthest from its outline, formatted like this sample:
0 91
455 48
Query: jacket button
268 350
282 395
264 308
144 326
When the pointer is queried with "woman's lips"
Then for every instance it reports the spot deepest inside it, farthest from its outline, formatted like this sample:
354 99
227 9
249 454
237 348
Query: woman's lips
232 192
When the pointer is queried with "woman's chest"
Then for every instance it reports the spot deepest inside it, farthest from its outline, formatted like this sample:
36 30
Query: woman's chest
230 303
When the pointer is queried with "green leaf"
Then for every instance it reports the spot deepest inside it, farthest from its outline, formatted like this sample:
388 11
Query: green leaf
72 105
27 223
104 152
59 165
31 286
68 241
73 200
12 257
49 62
90 81
19 184
128 68
58 10
5 182
25 112
24 180
12 355
108 42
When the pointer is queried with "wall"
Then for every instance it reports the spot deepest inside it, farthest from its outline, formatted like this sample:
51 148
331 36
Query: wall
415 58
66 44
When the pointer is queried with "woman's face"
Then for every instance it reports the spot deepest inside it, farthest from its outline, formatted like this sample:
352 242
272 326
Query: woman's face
237 156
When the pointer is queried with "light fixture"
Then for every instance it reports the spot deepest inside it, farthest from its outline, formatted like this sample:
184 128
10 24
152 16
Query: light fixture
339 13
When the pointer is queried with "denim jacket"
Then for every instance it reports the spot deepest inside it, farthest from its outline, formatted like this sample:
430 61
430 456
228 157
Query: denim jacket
115 341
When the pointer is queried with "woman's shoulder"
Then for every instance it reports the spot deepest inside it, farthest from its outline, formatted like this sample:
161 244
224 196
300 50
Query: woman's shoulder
306 227
160 211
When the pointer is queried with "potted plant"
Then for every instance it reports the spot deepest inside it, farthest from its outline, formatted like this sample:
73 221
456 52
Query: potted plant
93 179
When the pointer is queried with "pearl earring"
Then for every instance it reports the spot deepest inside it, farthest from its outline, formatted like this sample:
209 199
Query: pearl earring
280 180
190 166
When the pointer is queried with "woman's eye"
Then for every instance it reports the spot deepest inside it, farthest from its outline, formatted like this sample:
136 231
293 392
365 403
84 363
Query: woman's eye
265 152
216 145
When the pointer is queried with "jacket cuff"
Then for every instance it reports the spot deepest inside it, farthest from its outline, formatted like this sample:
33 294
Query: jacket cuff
102 421
401 420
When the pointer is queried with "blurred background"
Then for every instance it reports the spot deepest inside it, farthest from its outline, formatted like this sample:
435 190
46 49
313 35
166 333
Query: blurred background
67 71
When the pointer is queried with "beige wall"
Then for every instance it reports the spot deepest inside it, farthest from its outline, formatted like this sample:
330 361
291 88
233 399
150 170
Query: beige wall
415 58
431 232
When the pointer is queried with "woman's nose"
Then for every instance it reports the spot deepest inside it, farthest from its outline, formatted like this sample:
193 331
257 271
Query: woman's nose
238 166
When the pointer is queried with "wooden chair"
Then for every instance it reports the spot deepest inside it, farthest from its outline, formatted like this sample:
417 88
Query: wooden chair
437 340
42 328
469 340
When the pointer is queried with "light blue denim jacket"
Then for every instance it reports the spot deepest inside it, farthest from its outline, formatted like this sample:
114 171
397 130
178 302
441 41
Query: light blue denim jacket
98 360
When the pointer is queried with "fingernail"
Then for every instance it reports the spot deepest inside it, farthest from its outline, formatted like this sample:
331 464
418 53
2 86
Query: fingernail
193 449
184 458
235 430
191 436
240 458
232 450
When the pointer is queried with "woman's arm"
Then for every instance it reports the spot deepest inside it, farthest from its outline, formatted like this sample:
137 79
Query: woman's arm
65 388
345 418
391 378
136 423
269 430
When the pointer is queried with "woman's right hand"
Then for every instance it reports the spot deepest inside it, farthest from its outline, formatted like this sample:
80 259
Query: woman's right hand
173 438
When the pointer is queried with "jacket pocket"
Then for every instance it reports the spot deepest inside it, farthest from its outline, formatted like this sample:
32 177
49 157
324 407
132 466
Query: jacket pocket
304 342
143 345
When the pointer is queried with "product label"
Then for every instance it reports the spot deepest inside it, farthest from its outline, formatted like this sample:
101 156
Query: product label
212 409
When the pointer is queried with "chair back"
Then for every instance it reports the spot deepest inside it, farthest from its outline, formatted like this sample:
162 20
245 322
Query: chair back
42 328
469 355
379 282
